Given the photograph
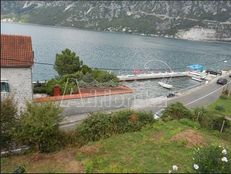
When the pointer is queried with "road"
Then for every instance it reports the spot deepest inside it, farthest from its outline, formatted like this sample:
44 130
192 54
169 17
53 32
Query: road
199 96
203 95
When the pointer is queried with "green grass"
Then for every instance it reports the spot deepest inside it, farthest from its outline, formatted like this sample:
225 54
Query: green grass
226 103
149 150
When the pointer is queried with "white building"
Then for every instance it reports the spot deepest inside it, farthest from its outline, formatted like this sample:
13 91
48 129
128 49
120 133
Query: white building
16 68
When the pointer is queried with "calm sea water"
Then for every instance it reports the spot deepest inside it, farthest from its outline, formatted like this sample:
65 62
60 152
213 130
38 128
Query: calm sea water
120 51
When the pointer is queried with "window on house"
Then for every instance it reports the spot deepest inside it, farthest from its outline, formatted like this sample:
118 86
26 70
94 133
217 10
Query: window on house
5 87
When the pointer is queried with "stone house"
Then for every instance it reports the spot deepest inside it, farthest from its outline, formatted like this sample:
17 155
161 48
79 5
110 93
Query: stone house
16 68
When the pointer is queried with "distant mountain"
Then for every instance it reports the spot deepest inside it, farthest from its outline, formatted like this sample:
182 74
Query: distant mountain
205 20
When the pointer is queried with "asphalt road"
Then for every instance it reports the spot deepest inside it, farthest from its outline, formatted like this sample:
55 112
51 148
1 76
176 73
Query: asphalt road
200 96
203 95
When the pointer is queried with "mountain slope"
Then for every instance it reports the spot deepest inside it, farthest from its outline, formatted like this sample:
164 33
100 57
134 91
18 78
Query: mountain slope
210 20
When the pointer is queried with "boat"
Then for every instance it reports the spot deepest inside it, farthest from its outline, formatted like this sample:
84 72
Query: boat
197 79
165 85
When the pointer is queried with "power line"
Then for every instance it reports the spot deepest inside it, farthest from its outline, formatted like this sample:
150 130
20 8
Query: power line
24 61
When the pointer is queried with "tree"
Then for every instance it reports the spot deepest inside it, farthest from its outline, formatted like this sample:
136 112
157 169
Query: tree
67 62
8 121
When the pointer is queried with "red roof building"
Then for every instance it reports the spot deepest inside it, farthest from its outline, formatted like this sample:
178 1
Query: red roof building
16 68
16 51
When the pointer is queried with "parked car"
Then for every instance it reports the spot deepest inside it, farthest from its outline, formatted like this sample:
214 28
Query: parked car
171 95
158 114
222 81
213 72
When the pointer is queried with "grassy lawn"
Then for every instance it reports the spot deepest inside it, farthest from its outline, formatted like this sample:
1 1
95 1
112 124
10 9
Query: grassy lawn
226 103
154 149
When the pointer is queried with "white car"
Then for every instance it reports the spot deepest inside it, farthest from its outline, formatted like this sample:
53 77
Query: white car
158 114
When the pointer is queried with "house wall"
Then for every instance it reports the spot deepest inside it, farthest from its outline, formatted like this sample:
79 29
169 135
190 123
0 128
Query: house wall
20 84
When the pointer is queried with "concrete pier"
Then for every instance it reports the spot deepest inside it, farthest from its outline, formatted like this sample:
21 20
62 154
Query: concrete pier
154 76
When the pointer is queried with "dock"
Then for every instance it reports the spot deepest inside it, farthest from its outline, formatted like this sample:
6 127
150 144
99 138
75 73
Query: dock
160 75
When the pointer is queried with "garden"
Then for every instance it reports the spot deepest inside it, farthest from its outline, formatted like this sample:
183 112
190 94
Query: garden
73 74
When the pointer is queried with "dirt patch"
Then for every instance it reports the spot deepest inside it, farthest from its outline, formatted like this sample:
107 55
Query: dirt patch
133 118
74 166
67 155
67 160
63 160
89 149
36 157
157 136
191 137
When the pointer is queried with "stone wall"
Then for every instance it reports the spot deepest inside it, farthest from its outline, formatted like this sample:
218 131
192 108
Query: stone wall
20 84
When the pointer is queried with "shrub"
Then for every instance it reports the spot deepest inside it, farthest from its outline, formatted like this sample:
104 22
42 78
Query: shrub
217 121
210 120
199 113
88 78
226 135
205 122
94 128
38 126
66 86
40 90
128 121
212 159
203 116
19 169
85 69
124 121
102 125
67 138
72 77
220 108
104 76
225 92
176 111
8 121
49 86
69 82
223 97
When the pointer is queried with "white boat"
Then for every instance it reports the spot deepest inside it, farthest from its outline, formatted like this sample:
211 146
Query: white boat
197 79
165 85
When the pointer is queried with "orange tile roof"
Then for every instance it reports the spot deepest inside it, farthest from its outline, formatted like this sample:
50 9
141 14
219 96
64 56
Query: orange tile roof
16 51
